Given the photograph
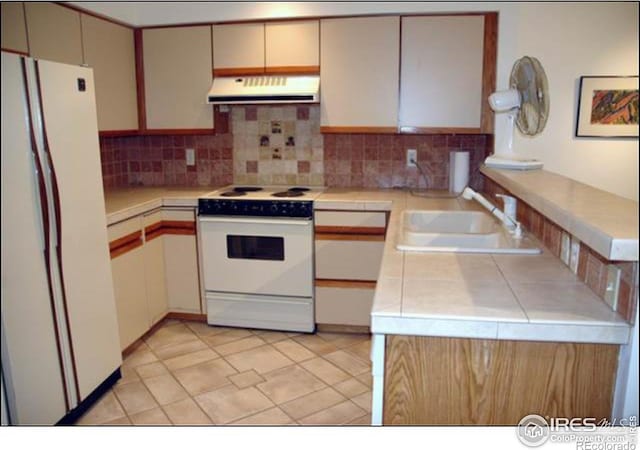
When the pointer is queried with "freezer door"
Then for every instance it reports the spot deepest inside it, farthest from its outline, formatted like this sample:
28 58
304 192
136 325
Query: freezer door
31 365
70 120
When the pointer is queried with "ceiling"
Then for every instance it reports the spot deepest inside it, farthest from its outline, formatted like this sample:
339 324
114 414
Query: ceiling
165 13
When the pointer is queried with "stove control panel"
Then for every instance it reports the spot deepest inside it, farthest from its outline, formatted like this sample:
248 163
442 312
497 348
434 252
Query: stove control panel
255 208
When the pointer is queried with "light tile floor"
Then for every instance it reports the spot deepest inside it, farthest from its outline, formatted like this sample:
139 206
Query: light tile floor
189 373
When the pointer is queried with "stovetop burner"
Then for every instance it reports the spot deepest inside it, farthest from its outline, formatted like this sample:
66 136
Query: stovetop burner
289 193
233 193
299 189
247 189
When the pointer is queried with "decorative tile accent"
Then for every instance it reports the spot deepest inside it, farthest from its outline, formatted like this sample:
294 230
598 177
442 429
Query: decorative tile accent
592 267
275 144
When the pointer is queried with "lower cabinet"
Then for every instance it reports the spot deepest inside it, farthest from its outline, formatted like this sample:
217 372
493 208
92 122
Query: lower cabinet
128 271
155 269
348 252
154 274
181 261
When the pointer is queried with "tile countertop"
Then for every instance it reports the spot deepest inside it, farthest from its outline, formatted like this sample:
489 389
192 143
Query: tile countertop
516 297
605 222
121 204
534 298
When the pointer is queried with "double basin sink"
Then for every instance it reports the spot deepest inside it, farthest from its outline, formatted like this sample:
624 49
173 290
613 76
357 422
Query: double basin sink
459 232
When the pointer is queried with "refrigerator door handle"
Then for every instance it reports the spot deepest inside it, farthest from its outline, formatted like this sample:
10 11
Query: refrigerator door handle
45 221
57 227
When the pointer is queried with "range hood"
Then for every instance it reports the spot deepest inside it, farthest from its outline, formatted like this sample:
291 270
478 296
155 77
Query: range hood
264 89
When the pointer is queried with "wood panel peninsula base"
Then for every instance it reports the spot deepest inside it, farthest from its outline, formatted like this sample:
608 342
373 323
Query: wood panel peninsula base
454 381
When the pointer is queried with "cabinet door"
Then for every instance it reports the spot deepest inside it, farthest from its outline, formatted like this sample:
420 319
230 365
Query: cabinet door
154 267
177 77
127 268
238 48
292 47
14 30
441 81
359 66
109 50
344 303
54 32
181 261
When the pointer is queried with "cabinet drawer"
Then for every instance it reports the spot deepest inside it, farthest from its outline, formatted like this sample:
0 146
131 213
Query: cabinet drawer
348 260
344 305
124 236
350 222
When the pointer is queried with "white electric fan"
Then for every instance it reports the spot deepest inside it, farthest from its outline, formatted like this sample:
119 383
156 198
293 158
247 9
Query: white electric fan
526 104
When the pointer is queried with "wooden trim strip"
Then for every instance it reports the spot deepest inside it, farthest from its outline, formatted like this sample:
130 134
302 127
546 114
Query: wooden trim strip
331 229
174 227
489 58
292 70
17 52
345 284
140 92
439 130
125 244
183 131
335 328
238 71
360 130
118 133
194 317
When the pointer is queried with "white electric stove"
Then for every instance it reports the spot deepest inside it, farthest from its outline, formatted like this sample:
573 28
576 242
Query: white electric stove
256 244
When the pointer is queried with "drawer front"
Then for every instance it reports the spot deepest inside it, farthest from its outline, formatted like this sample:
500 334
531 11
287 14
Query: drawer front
122 229
350 222
187 215
348 260
344 306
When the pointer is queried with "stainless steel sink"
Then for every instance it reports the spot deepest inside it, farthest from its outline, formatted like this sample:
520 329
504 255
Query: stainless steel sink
458 232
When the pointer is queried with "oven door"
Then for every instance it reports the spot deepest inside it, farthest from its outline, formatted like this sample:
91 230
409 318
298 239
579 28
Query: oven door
257 256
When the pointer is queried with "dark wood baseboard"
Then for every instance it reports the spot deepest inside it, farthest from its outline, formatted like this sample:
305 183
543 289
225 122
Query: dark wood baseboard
352 329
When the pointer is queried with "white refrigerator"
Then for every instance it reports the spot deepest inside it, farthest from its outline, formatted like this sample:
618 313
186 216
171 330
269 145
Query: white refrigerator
60 343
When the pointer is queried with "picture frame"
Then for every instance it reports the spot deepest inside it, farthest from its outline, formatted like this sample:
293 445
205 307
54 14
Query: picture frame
608 107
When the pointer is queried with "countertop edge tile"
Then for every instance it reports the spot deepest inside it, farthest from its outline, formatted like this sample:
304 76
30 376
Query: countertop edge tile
596 334
577 222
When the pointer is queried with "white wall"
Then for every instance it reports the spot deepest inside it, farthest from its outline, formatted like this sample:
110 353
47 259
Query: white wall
570 39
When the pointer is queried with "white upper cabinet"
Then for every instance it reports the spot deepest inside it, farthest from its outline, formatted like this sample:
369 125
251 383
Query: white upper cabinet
292 46
359 71
54 32
177 77
109 50
238 46
441 73
14 31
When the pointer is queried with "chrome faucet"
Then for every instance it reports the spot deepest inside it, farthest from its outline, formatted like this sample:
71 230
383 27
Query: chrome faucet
509 210
508 217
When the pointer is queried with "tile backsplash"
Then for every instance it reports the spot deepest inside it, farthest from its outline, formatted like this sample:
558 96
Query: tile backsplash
277 145
379 161
282 144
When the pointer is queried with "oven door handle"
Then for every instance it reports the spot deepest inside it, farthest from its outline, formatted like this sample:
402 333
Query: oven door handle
256 220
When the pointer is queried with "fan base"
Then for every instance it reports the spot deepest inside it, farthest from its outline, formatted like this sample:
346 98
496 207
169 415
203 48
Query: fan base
513 163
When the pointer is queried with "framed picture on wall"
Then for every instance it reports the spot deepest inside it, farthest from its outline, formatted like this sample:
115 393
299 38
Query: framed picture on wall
608 107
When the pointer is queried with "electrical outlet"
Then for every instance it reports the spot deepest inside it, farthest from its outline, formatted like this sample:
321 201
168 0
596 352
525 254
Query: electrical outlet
191 157
412 155
613 286
574 255
565 249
